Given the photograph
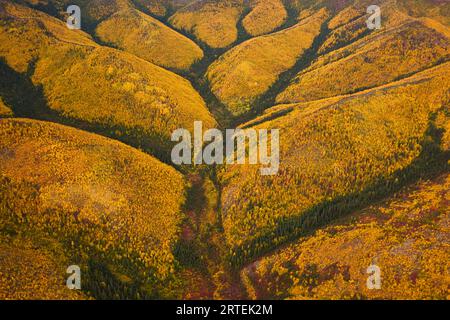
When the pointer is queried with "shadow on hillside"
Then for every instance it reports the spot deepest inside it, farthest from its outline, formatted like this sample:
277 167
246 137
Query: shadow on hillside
18 92
28 100
431 162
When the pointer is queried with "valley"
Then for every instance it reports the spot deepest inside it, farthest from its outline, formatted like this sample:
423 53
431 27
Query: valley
86 118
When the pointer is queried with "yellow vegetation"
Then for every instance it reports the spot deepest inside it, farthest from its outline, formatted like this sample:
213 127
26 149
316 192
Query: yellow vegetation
335 154
404 236
31 273
4 110
390 55
213 22
95 196
149 39
127 97
248 70
265 16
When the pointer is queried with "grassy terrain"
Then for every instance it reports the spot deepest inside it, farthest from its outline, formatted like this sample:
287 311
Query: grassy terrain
362 115
372 61
93 11
95 87
435 9
149 39
248 70
31 273
212 22
265 16
336 155
101 201
403 235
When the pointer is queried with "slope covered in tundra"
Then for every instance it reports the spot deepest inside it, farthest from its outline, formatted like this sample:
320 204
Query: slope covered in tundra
264 17
5 111
212 22
161 8
103 203
97 88
147 38
28 272
248 70
336 155
406 236
392 53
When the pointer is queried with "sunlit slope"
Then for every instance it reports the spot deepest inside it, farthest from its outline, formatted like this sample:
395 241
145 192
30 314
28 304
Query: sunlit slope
374 60
248 70
264 17
344 28
28 272
124 27
436 9
149 39
105 90
25 32
406 236
161 8
336 155
103 201
93 11
212 22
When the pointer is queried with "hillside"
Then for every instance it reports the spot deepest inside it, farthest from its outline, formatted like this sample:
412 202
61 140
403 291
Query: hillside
94 87
265 16
248 70
336 155
404 236
377 59
161 8
86 175
120 24
84 192
212 22
147 38
4 110
21 260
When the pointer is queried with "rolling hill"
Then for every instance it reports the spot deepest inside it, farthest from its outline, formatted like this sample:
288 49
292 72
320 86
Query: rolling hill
211 22
403 235
86 193
248 70
264 17
86 177
147 38
95 87
381 57
336 155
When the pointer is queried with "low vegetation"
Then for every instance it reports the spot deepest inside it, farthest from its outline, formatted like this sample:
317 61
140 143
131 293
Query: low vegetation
264 17
364 125
104 203
403 236
28 272
98 88
372 61
336 155
149 39
248 70
4 110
